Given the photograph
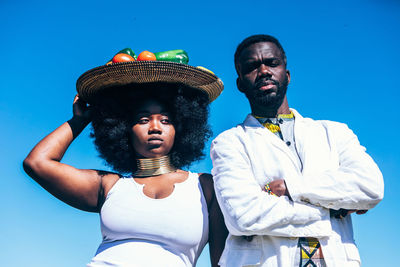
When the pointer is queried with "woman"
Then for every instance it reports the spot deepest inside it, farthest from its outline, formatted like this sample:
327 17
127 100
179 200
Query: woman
149 119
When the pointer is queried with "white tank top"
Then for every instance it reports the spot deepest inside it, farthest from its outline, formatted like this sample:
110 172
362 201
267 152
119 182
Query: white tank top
145 232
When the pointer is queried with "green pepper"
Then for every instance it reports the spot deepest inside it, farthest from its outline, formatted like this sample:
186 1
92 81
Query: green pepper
128 51
178 56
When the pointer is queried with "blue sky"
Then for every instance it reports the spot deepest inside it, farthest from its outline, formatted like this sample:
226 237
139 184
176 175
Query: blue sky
344 61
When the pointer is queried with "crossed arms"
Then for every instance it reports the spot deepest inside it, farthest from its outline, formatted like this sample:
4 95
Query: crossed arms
356 184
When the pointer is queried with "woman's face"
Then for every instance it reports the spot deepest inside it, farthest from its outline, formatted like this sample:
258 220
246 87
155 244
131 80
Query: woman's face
152 133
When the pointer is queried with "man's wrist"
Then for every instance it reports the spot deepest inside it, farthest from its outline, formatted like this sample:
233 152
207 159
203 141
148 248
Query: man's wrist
267 189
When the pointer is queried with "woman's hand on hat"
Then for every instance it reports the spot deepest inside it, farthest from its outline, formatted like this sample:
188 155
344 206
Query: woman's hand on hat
81 109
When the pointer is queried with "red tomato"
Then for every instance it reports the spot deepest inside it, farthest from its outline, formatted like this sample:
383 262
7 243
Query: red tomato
122 58
146 55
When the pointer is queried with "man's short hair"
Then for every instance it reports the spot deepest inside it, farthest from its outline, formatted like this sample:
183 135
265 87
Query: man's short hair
259 38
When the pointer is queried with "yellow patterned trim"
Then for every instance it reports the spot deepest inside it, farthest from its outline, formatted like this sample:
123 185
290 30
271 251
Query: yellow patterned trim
283 116
312 245
286 116
272 127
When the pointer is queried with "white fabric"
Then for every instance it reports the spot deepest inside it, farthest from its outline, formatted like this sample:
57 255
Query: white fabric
141 231
337 173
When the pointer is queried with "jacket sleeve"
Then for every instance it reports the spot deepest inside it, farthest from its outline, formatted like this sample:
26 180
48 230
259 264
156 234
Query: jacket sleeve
247 209
356 183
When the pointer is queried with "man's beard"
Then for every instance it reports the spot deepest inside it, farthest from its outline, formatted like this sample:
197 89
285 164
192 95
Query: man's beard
266 98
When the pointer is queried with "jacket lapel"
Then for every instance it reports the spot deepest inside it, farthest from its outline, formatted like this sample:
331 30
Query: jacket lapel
313 145
252 125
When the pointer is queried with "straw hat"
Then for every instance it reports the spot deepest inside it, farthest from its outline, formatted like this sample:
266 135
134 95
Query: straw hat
141 72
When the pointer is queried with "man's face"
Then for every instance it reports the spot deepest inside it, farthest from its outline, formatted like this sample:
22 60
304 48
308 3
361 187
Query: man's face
262 75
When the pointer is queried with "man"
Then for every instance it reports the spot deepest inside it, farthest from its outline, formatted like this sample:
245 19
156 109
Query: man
287 184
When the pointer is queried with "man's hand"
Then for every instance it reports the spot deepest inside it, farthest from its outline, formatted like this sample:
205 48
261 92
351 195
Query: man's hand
248 238
341 213
278 187
359 212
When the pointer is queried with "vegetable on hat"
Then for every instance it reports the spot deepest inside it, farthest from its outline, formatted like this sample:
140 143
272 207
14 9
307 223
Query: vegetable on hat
127 54
128 51
146 55
121 57
178 56
202 68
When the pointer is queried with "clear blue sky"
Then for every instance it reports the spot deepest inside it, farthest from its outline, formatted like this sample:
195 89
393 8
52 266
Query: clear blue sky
344 61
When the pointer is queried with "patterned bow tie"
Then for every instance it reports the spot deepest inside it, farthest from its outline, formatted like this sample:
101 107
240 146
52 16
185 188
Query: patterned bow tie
272 124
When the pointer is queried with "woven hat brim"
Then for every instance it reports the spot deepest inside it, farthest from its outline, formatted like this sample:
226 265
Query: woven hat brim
139 72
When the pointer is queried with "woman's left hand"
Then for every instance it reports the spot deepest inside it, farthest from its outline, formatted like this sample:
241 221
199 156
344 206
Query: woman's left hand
81 109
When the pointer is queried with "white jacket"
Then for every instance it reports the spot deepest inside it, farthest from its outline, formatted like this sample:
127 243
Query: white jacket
337 173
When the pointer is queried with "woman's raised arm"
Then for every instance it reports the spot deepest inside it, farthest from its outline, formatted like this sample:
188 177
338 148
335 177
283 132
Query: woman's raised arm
79 188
